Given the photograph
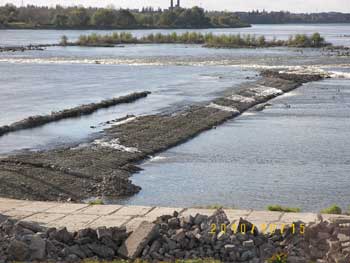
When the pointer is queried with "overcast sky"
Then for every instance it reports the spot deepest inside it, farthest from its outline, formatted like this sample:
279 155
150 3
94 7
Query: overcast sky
231 5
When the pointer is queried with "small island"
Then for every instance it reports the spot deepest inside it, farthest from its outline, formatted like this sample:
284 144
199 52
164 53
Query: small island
209 40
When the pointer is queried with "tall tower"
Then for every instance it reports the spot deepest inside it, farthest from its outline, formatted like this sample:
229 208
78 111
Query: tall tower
171 4
178 3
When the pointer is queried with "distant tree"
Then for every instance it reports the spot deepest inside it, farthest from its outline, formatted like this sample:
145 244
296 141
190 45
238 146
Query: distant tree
228 19
124 19
300 40
194 17
64 40
104 18
3 20
60 21
167 19
9 13
261 41
317 40
79 17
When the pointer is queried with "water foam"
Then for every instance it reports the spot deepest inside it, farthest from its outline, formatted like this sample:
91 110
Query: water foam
115 144
223 108
295 69
339 75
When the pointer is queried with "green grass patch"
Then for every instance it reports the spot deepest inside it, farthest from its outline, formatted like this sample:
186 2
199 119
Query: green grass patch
279 208
96 202
334 209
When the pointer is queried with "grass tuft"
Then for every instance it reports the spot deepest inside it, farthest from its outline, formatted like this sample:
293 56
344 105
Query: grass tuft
96 202
278 258
279 208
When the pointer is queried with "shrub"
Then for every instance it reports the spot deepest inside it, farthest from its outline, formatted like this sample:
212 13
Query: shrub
334 209
64 40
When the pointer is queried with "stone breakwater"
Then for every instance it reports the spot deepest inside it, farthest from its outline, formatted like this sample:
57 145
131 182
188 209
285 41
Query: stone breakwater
103 167
173 237
35 121
24 48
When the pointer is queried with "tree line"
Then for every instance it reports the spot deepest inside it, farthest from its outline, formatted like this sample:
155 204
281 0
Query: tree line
78 17
110 18
264 17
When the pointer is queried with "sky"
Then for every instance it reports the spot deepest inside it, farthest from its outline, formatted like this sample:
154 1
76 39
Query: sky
298 6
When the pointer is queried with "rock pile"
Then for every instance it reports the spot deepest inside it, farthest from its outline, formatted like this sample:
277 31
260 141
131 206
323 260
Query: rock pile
24 241
196 237
172 237
193 237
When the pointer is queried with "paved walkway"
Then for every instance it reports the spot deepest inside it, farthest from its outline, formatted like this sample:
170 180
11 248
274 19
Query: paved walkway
78 216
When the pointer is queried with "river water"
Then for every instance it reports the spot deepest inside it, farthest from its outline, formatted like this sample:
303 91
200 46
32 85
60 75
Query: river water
335 33
293 156
297 156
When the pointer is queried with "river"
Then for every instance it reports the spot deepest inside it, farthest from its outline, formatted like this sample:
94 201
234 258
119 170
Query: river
294 156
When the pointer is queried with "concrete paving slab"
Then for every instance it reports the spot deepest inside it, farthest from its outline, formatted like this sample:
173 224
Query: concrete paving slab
77 216
44 218
36 207
135 223
13 201
294 217
15 214
8 204
159 211
264 216
99 210
195 211
136 242
110 221
342 219
235 214
74 222
66 208
133 210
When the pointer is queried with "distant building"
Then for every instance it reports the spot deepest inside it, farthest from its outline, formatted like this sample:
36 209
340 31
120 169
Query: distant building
172 4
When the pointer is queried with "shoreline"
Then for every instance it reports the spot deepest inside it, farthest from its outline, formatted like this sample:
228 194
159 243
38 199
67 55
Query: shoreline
125 28
166 234
103 167
171 28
